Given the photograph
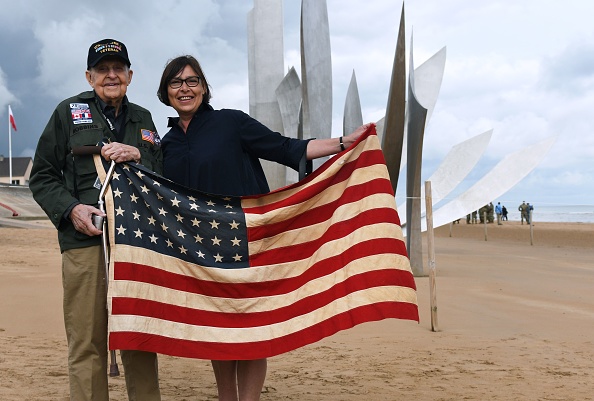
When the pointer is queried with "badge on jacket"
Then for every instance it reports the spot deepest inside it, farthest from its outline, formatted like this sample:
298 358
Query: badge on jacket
150 136
81 113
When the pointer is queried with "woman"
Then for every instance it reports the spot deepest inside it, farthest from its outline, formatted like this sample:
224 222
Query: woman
218 152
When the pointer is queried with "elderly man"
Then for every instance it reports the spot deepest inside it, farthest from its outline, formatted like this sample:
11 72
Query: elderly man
67 189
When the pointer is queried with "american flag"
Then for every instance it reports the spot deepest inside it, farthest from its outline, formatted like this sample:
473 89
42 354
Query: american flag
148 135
229 278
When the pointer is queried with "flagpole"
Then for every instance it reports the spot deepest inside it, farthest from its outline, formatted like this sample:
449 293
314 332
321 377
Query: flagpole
9 148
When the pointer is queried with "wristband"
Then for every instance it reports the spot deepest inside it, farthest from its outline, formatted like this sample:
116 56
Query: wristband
341 144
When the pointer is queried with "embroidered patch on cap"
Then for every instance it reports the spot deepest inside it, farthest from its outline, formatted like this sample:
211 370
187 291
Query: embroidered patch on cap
81 113
150 136
114 47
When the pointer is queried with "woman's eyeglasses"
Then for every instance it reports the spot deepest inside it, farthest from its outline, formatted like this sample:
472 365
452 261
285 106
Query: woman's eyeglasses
176 83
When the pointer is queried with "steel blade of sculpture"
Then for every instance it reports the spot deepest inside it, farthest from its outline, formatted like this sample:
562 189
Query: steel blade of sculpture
415 131
394 125
265 72
500 179
316 71
455 166
288 95
379 126
428 79
353 117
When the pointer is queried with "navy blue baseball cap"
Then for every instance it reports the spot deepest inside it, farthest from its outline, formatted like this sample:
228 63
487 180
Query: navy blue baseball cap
104 48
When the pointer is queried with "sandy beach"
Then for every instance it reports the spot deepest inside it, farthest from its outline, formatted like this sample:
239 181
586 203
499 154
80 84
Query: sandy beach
515 322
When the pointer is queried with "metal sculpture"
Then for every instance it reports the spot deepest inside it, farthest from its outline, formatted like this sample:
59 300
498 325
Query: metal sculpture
455 166
288 95
352 117
316 71
500 179
266 71
428 78
415 131
393 126
304 109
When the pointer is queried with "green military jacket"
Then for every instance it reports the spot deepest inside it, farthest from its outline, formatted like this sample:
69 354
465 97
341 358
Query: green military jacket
60 180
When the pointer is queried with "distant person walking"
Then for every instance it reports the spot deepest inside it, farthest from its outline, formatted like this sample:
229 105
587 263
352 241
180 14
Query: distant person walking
504 213
529 209
490 213
498 212
523 208
474 216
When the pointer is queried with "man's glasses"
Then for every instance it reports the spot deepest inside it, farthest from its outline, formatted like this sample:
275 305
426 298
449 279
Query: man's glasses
176 83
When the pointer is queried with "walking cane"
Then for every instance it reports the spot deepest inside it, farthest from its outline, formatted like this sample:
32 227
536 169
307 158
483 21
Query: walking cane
113 365
101 224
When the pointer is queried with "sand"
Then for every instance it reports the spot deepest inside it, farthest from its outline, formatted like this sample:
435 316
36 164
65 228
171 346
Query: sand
515 322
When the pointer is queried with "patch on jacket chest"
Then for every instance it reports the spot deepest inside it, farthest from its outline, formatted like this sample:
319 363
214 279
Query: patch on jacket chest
81 113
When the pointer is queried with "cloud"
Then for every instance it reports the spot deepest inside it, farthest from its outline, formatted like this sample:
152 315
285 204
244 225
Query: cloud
62 65
524 69
571 72
6 97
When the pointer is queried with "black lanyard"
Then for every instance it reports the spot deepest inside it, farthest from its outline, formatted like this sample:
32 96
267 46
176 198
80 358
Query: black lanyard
110 123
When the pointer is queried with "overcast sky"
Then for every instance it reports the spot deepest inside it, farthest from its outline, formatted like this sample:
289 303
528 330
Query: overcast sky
524 68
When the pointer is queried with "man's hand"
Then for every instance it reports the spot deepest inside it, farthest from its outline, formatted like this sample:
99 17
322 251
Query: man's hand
82 219
119 152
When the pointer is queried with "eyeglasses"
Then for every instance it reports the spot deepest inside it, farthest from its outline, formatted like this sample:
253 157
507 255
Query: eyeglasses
176 83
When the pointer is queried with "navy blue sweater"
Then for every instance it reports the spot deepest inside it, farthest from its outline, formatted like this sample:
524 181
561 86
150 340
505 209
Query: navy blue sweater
219 154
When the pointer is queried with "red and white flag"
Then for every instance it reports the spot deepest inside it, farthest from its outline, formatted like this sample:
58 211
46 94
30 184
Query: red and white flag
218 277
11 117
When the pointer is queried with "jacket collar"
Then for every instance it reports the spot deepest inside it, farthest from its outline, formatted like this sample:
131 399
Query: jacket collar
204 107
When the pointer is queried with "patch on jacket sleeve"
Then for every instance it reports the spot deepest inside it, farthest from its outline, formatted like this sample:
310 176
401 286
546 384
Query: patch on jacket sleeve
81 113
150 136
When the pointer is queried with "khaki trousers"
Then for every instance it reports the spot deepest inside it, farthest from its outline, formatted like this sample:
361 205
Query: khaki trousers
85 319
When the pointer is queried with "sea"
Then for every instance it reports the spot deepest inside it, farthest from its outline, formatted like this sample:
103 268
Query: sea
557 213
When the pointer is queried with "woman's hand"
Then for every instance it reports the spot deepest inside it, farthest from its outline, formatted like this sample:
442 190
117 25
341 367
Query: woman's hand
353 136
326 147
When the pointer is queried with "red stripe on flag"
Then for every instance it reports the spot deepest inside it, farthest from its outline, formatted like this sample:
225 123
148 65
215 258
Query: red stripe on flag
11 118
312 216
338 230
179 282
305 191
186 315
263 349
